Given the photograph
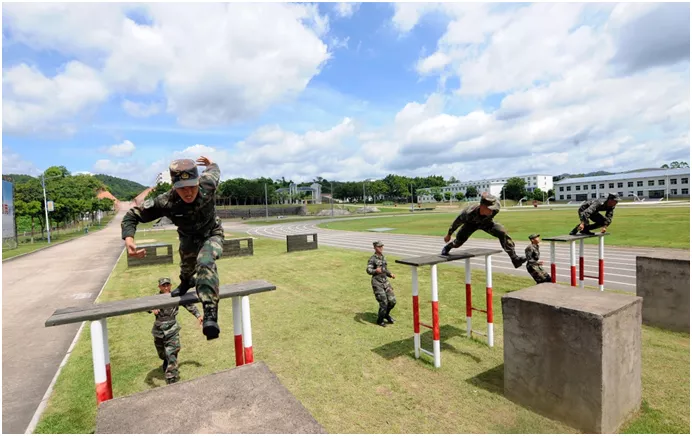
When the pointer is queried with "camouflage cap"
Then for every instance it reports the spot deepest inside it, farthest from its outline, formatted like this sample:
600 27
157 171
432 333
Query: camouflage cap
183 173
377 244
534 235
613 196
164 280
489 200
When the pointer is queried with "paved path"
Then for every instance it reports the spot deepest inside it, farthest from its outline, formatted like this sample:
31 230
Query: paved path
620 262
33 287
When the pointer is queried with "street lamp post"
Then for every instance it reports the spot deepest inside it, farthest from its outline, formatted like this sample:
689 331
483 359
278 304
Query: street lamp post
266 204
45 204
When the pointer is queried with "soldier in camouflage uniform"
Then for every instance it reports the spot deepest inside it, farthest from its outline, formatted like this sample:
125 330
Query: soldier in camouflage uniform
589 211
384 294
190 205
533 262
480 216
166 332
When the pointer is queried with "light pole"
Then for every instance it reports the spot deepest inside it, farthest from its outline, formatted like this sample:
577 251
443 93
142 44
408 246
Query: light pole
45 201
266 206
411 186
331 195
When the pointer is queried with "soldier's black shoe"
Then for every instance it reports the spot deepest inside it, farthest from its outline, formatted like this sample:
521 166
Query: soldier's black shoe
210 327
380 322
518 261
445 250
587 232
389 319
170 381
574 231
183 287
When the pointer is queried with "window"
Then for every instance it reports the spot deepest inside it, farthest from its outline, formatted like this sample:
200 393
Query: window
586 187
601 186
569 188
619 184
569 197
684 180
640 183
620 194
640 193
673 192
661 182
562 188
577 188
685 191
562 197
611 185
651 183
630 184
593 195
593 186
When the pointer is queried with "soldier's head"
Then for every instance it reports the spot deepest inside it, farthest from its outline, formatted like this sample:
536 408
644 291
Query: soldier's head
165 285
489 204
185 179
378 246
535 238
612 200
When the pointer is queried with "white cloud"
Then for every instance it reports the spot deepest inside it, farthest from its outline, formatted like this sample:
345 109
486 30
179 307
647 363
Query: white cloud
124 149
346 10
13 163
140 110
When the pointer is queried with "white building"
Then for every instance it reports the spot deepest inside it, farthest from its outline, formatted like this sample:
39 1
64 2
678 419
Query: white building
491 186
163 177
652 184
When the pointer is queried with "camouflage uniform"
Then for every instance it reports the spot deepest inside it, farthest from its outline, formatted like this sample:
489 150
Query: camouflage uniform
533 255
471 220
589 211
384 294
166 332
199 230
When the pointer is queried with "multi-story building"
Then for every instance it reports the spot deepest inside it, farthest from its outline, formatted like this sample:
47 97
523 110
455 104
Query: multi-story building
652 184
491 186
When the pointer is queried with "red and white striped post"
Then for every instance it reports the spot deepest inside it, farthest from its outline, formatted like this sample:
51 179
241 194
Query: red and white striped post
573 264
581 263
416 313
489 298
99 347
436 319
469 305
601 262
553 268
238 331
247 329
107 358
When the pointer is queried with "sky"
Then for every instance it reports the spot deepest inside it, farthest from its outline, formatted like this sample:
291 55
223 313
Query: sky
345 91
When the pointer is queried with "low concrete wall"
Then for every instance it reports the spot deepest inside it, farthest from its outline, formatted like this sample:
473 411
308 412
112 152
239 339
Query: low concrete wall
664 284
573 355
238 247
152 257
257 212
307 241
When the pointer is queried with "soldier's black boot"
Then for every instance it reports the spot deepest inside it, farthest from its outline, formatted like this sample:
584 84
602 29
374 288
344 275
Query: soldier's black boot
388 318
574 231
183 287
210 327
380 321
518 261
445 250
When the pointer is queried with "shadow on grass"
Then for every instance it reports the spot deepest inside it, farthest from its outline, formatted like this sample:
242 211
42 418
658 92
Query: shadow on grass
404 347
158 374
492 380
366 318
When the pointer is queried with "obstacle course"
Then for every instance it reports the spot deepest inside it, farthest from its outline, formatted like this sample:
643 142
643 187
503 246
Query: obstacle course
307 241
572 256
152 256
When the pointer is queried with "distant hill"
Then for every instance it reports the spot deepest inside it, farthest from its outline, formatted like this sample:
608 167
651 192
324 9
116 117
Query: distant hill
591 174
122 189
17 178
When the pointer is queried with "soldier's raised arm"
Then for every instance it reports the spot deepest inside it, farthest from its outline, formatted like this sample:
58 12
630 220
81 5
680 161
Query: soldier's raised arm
211 175
150 210
609 216
458 221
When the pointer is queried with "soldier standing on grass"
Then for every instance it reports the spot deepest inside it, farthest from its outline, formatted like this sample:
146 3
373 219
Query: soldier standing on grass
191 206
166 332
533 262
384 294
589 211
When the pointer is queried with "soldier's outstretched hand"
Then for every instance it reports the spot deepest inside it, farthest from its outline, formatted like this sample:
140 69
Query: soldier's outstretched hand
203 160
447 238
132 250
393 276
603 230
200 319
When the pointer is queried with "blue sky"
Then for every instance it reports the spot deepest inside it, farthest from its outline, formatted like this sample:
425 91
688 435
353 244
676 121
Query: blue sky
345 91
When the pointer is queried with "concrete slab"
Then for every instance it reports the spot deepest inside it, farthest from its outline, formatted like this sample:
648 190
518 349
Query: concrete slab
457 255
245 399
664 284
569 238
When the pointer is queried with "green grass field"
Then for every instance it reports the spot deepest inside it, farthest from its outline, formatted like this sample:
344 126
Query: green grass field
645 227
317 333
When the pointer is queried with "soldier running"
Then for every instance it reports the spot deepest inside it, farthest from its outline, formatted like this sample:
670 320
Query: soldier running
589 211
384 294
533 262
190 205
166 332
480 216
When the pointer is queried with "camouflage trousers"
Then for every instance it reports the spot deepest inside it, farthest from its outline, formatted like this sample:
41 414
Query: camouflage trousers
168 349
538 274
599 221
198 257
492 228
384 294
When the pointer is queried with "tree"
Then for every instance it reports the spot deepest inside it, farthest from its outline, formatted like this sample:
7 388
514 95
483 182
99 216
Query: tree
459 196
471 192
515 188
537 194
159 189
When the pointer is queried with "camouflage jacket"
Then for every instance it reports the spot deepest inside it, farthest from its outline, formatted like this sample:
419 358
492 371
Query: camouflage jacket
533 255
166 324
374 262
590 207
196 219
472 215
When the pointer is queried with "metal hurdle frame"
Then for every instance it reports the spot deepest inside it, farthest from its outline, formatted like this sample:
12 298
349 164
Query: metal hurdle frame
572 239
433 261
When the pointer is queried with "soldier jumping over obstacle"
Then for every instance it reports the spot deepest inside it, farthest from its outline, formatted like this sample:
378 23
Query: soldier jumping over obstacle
480 216
384 294
166 332
533 262
589 211
190 204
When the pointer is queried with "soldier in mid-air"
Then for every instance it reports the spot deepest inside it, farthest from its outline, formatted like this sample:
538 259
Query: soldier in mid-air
166 332
384 294
533 262
480 217
589 211
190 205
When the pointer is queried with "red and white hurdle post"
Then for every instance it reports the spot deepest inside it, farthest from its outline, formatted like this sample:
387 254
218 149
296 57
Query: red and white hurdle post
581 263
553 267
238 331
435 319
489 298
573 264
247 329
601 262
101 359
469 305
416 313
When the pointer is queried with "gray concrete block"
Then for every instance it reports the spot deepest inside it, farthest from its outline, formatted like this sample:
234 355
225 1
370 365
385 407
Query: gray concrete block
664 284
307 241
238 247
156 254
245 399
573 355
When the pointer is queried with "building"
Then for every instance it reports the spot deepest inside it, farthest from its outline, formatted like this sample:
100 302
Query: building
163 177
638 185
491 186
293 192
102 193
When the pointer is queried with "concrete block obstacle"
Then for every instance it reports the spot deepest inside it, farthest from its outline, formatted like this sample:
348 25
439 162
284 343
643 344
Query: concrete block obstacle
238 247
574 355
433 261
664 284
246 399
98 313
307 241
152 257
572 239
